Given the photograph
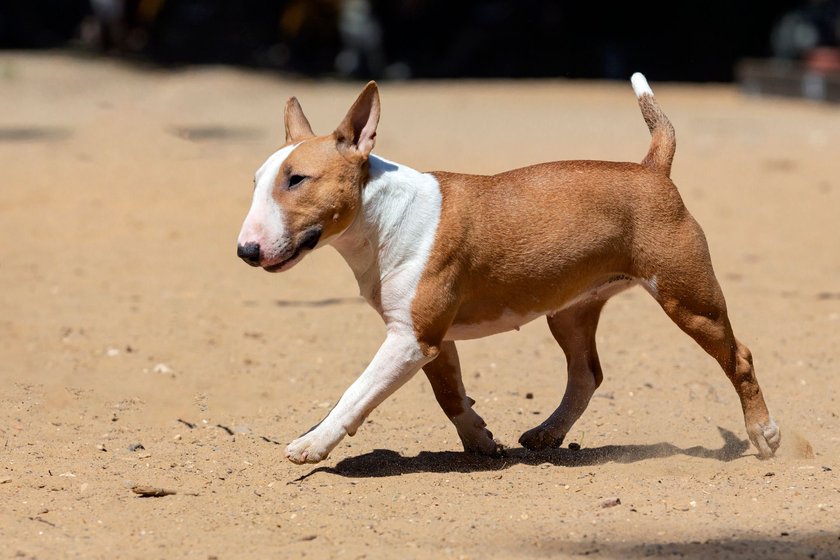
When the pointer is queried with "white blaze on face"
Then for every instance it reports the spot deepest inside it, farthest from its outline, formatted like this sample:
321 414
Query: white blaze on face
265 222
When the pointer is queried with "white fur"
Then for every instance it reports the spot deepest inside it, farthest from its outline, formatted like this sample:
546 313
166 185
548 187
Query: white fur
395 362
640 85
507 321
265 222
387 246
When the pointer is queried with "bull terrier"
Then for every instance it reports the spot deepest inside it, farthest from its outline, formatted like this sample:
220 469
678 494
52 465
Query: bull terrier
447 256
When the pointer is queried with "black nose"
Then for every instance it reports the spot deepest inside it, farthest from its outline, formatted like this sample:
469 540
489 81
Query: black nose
250 253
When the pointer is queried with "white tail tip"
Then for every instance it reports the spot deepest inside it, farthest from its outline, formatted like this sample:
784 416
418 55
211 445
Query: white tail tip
640 85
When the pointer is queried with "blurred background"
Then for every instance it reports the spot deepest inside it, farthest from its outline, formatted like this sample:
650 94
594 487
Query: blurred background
129 135
403 39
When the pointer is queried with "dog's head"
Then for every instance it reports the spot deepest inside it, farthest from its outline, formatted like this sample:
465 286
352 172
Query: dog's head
310 190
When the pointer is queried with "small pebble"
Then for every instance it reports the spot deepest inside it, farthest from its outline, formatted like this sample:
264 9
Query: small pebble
826 469
151 491
610 502
529 395
135 446
162 368
101 447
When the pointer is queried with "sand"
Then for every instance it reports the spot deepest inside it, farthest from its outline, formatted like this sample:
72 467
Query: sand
137 350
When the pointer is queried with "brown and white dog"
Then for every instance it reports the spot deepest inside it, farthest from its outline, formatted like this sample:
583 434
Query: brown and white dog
444 257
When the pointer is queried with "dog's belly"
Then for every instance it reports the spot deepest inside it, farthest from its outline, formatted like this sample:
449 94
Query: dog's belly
509 320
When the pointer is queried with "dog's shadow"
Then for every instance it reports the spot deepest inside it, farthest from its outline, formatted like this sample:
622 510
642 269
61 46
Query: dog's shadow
384 462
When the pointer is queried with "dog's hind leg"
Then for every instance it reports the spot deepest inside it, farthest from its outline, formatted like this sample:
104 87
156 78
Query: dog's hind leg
444 373
696 304
681 278
574 330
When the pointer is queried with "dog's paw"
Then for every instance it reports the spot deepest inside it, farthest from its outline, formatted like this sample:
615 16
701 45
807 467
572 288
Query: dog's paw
309 448
539 438
474 434
766 437
481 442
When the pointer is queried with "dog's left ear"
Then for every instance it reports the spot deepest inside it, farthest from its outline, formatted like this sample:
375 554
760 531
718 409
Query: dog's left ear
297 127
357 132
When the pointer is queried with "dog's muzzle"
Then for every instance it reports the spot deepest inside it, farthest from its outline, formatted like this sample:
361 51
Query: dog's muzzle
251 252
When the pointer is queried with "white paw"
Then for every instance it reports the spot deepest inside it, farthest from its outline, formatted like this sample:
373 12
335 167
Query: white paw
313 447
766 438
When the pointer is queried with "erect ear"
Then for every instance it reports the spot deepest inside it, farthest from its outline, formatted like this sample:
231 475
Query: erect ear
357 132
297 127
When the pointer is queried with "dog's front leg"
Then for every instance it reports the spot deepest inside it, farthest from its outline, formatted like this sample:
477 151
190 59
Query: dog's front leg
399 357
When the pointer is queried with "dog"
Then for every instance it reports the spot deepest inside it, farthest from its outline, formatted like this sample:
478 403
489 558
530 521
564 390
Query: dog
447 256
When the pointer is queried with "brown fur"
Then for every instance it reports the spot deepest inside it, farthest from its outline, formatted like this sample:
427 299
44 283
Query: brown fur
555 239
335 167
531 240
663 141
494 253
332 196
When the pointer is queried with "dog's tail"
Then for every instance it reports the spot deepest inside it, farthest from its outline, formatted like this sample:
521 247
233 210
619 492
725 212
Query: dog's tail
663 141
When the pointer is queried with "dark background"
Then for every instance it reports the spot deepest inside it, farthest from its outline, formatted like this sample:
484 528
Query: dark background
686 41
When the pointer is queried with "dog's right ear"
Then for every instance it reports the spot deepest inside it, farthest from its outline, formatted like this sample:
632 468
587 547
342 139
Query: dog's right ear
357 132
297 127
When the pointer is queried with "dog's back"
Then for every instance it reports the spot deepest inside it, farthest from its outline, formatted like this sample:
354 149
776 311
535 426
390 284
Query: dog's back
553 231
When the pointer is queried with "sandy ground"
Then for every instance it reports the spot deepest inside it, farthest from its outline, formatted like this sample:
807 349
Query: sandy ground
126 319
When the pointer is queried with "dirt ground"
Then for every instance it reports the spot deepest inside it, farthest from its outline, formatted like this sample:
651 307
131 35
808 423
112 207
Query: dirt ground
136 349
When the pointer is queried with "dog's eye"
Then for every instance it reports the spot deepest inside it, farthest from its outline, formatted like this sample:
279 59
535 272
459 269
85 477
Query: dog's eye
295 180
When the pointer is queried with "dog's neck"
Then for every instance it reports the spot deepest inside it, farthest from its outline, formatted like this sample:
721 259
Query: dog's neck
395 226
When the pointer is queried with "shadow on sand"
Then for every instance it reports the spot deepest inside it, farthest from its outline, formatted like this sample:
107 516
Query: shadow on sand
383 462
318 303
817 545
